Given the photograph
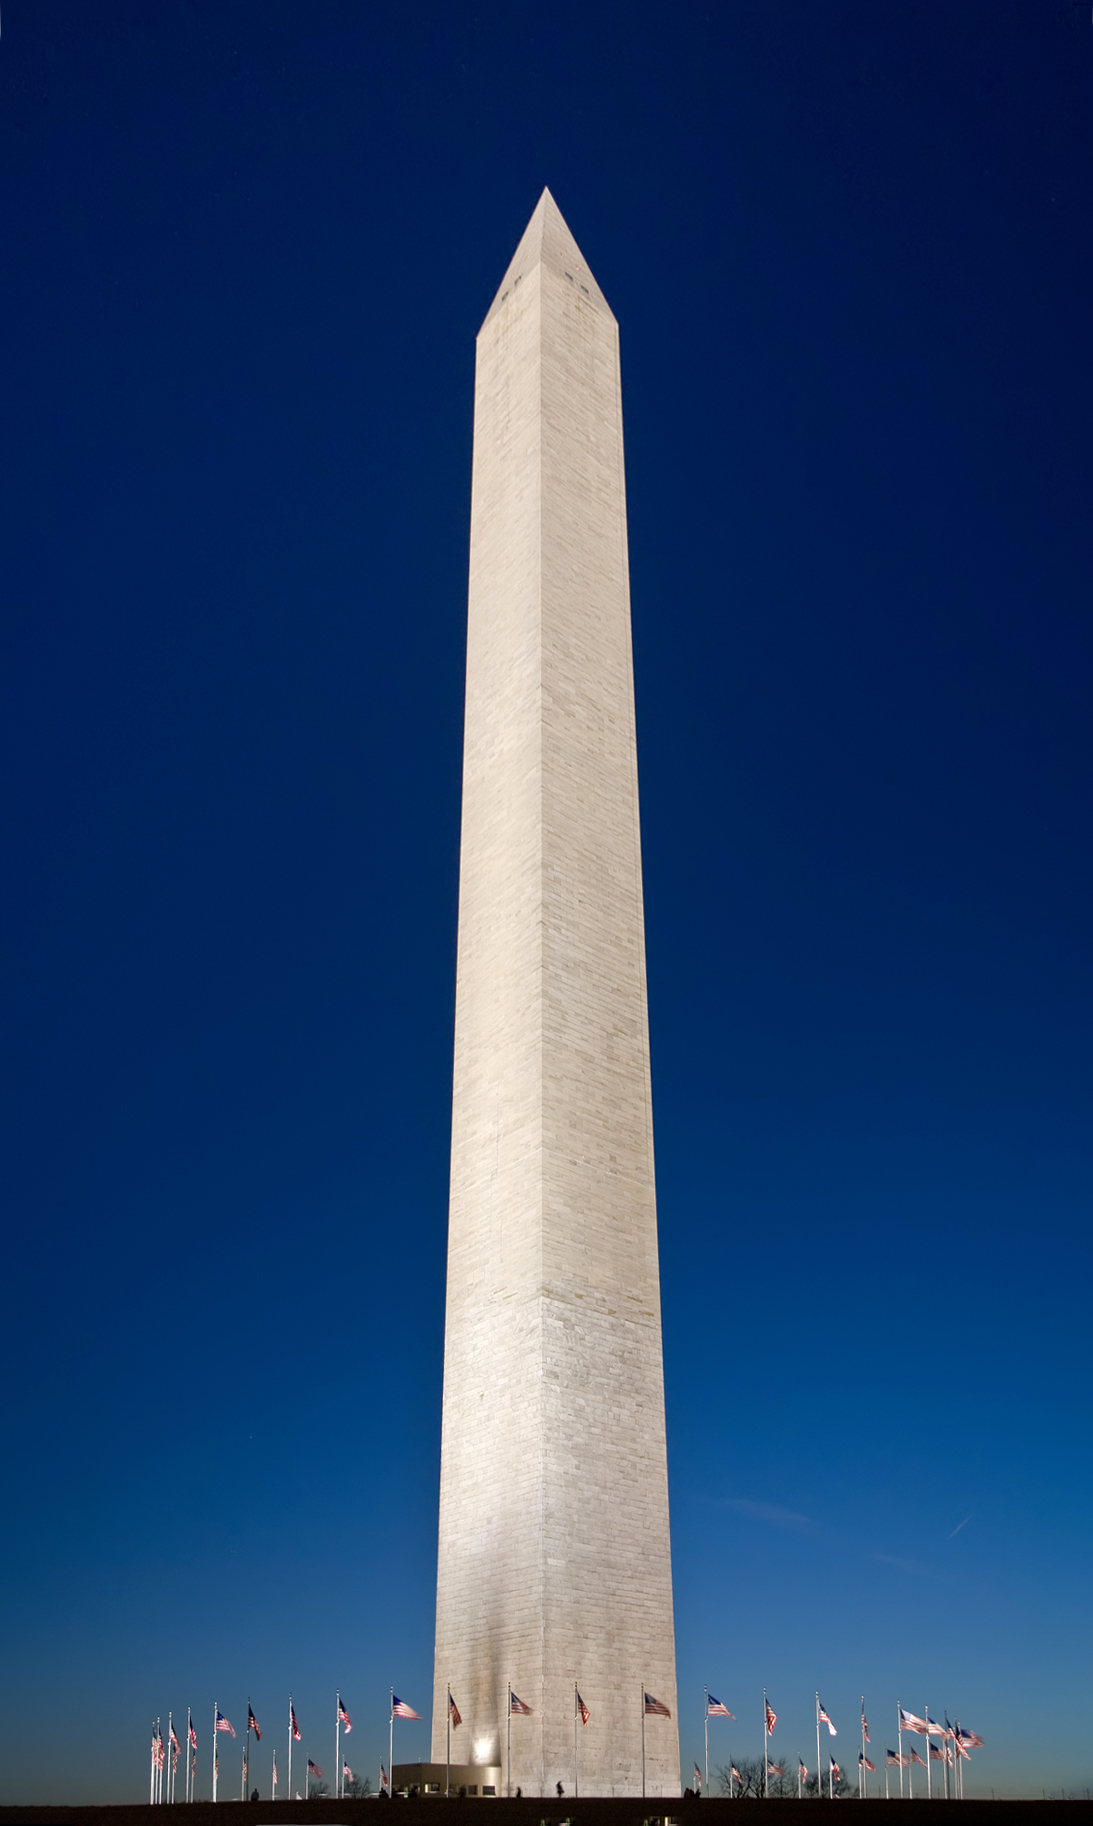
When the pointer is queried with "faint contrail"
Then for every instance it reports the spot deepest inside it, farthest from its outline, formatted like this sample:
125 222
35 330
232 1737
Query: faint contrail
959 1526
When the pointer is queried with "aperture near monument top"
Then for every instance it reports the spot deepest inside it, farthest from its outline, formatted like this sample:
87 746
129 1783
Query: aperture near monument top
547 241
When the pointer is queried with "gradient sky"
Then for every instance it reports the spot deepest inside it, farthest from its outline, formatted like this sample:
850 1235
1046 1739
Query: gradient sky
246 251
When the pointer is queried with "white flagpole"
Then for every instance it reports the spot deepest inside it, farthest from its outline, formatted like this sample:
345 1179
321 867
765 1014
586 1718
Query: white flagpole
337 1745
864 1783
186 1782
152 1769
575 1740
391 1747
643 1740
290 1746
508 1752
819 1765
929 1771
706 1728
448 1755
766 1746
899 1732
215 1710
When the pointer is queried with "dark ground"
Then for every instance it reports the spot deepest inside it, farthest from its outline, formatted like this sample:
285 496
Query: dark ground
501 1812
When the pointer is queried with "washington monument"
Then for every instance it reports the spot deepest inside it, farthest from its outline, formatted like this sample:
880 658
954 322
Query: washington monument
554 1566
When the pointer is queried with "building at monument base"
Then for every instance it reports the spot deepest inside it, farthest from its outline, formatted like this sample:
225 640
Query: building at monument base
466 1780
554 1567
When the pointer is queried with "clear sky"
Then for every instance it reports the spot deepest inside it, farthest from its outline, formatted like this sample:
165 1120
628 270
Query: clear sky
246 249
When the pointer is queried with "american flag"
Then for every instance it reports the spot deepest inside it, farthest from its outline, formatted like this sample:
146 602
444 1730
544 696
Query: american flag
715 1709
159 1752
970 1737
655 1708
383 1776
292 1721
734 1774
252 1724
895 1760
399 1709
453 1712
193 1734
916 1758
775 1768
962 1750
347 1773
174 1739
866 1764
910 1721
222 1724
175 1748
772 1717
343 1714
314 1769
583 1710
937 1753
825 1720
802 1771
698 1779
517 1706
275 1768
835 1770
864 1726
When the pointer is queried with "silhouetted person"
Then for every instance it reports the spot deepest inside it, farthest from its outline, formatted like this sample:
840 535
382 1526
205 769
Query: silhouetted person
559 1790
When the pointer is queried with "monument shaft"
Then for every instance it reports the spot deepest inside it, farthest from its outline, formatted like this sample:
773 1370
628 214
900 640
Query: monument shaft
554 1557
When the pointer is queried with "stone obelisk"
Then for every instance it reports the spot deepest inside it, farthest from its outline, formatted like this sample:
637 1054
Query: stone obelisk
554 1560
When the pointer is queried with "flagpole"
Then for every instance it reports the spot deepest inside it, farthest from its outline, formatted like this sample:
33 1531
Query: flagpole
508 1751
899 1731
766 1745
864 1785
706 1730
575 1790
819 1765
337 1744
152 1769
448 1755
643 1739
273 1789
167 1751
391 1748
929 1771
945 1741
215 1710
290 1746
186 1783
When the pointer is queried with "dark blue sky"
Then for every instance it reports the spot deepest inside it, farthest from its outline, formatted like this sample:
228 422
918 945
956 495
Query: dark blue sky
246 252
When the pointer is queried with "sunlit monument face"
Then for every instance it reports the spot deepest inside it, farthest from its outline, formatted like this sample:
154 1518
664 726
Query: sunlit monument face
554 1566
